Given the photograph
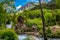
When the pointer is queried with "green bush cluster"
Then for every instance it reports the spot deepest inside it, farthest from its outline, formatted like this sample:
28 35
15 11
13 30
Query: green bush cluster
8 34
54 35
51 34
36 21
33 17
50 19
58 16
31 14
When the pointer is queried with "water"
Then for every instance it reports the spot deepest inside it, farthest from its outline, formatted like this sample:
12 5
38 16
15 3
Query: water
8 26
53 39
24 37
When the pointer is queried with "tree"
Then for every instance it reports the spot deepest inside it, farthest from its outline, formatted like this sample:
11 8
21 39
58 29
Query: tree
2 13
52 6
43 20
58 3
5 5
8 5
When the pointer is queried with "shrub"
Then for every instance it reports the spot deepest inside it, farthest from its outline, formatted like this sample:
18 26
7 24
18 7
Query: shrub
49 19
36 21
49 32
58 16
41 32
8 35
39 27
58 34
31 14
34 14
54 35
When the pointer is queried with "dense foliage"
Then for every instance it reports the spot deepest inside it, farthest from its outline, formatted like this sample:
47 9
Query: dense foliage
58 3
6 6
31 17
34 17
8 34
51 34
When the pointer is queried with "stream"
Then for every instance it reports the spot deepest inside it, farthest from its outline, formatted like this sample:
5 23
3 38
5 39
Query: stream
24 37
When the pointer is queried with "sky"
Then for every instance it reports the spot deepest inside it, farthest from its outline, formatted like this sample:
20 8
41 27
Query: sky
19 3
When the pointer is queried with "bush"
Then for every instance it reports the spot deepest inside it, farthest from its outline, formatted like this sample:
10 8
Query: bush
49 19
31 14
58 16
58 34
8 35
54 35
34 14
36 21
39 27
49 32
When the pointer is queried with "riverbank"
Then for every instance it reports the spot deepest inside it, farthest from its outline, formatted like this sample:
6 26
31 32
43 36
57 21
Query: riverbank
32 33
31 37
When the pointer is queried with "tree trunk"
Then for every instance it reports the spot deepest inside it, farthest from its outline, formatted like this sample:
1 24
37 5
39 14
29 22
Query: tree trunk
5 19
43 20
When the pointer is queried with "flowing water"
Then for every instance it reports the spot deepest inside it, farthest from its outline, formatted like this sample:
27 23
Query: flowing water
24 37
